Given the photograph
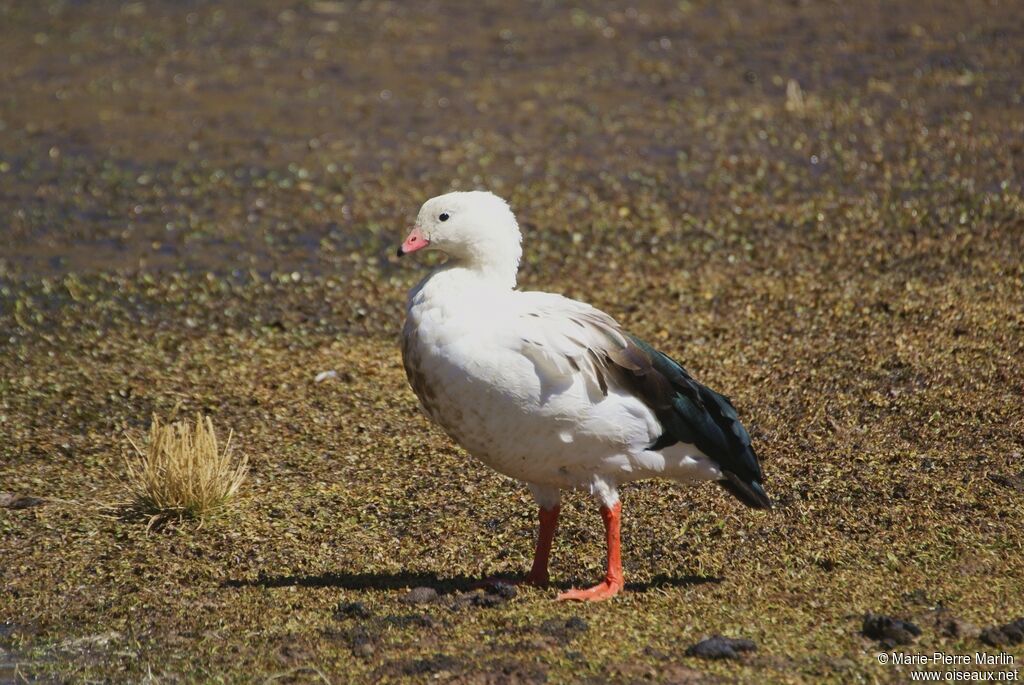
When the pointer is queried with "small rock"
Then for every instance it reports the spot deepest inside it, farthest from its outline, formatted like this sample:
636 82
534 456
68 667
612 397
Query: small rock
957 627
11 501
1008 634
888 630
504 590
351 610
494 595
325 375
946 624
718 647
420 595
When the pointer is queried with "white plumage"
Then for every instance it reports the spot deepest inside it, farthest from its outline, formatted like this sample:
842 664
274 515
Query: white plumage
515 378
539 387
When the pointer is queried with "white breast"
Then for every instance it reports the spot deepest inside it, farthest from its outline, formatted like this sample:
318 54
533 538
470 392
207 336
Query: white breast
463 352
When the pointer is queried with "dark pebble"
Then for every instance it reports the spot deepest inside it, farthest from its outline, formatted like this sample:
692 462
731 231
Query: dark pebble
1008 634
351 610
420 595
888 630
434 664
504 590
492 596
12 501
718 647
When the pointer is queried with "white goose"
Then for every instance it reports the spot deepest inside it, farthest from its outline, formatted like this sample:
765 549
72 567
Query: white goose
552 391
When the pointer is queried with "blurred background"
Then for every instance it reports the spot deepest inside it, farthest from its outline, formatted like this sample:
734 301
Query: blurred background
258 135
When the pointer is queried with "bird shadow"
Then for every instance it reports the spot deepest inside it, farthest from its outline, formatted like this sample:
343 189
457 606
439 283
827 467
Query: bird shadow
662 580
442 584
360 581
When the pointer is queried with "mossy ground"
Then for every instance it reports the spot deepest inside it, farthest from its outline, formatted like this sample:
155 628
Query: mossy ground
199 206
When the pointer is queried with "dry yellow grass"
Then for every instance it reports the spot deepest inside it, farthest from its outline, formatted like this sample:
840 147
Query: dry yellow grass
183 471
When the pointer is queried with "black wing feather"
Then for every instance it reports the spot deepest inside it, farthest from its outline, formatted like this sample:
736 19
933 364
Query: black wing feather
694 414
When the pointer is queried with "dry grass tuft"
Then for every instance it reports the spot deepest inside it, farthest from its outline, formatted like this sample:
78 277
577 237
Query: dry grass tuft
183 472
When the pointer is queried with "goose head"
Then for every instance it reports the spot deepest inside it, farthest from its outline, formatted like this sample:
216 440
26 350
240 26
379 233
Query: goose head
477 230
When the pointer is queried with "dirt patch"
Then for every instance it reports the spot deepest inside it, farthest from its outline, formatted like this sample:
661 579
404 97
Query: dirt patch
719 647
1005 635
944 623
487 597
1014 481
564 632
505 673
433 666
889 631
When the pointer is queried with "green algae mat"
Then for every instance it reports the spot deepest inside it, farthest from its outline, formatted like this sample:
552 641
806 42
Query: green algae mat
817 207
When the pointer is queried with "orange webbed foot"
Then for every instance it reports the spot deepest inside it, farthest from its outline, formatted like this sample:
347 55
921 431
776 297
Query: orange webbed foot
600 592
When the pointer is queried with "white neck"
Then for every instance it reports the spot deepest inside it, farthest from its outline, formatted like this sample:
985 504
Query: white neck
496 267
468 286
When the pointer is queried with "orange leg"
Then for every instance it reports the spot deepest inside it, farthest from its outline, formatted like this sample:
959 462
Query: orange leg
538 575
612 583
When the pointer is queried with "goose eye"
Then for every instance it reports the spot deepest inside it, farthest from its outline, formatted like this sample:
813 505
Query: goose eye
444 216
